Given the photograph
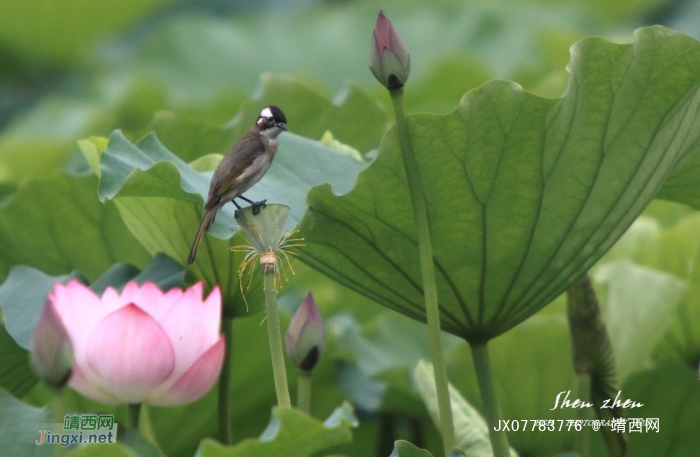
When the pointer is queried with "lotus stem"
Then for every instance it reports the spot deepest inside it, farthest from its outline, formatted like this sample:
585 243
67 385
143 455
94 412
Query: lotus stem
225 379
492 409
304 391
274 335
134 414
427 267
583 387
58 410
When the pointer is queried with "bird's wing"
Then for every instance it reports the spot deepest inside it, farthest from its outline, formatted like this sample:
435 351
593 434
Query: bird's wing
232 166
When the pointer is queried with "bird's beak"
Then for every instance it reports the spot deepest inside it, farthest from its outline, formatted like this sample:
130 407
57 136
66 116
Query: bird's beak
281 125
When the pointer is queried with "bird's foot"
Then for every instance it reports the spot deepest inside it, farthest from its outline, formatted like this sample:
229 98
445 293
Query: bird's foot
259 205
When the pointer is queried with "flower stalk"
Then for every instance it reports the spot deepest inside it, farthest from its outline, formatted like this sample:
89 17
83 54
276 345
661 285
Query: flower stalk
140 420
58 409
304 391
268 239
390 63
427 267
581 438
134 414
274 335
492 408
225 380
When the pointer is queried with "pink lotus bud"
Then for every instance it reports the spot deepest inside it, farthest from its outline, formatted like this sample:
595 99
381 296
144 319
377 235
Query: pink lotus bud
389 59
142 345
306 335
51 354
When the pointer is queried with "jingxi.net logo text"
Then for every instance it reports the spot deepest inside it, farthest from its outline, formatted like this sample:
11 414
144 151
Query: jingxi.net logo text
81 429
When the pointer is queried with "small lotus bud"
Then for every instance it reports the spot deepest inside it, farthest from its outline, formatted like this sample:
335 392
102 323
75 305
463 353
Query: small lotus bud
306 335
51 354
389 59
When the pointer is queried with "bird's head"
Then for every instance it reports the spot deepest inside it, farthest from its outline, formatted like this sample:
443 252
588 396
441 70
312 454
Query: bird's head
271 121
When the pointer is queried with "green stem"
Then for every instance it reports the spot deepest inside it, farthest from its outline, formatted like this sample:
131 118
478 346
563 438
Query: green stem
304 391
274 335
58 411
425 251
134 413
225 384
583 382
492 410
145 426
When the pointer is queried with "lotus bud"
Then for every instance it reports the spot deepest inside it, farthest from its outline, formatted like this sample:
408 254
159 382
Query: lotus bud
51 354
389 59
306 335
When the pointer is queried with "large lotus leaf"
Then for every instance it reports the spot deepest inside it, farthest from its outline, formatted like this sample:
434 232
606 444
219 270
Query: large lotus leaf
640 305
291 433
683 338
16 374
405 449
524 193
471 430
670 252
20 425
159 197
57 225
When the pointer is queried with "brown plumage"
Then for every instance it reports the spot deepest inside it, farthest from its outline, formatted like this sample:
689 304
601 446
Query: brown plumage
241 168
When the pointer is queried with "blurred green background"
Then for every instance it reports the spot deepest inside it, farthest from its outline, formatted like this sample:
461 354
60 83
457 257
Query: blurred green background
75 68
72 69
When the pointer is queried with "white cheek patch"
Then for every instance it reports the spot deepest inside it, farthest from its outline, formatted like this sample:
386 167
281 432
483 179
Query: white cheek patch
266 113
271 133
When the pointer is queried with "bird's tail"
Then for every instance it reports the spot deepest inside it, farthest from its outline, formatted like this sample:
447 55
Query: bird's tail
207 221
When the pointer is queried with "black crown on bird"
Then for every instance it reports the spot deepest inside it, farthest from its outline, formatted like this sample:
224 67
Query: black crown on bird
271 117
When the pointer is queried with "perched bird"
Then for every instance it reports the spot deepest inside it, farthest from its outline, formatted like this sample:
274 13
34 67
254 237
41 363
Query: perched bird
241 168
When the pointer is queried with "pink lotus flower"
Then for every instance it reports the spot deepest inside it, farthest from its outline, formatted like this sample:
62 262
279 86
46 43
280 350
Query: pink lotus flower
142 345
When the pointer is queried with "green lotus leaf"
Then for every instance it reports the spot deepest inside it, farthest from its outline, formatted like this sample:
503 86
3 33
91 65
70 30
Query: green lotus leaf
291 433
525 193
57 225
20 425
470 427
405 449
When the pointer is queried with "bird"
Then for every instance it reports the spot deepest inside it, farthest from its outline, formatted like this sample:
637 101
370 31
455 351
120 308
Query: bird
244 165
